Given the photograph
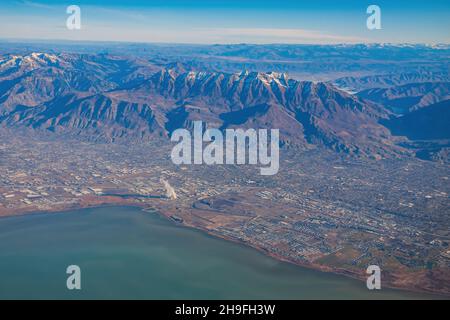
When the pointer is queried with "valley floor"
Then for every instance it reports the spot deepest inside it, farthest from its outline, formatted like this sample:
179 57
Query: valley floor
322 211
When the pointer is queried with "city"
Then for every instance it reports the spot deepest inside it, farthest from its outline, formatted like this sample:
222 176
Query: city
322 210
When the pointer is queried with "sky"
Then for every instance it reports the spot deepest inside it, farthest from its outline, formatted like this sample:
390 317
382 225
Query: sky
227 22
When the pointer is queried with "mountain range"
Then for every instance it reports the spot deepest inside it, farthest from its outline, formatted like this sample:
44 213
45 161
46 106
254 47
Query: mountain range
115 98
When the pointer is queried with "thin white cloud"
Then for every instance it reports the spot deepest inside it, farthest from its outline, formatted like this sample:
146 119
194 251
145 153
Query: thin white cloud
34 4
276 35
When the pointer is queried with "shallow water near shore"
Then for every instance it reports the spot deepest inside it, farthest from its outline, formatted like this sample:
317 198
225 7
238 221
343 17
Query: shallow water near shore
126 253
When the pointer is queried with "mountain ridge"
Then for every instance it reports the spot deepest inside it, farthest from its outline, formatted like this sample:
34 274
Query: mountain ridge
114 98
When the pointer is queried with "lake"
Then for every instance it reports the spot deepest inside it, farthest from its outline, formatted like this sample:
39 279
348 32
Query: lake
126 253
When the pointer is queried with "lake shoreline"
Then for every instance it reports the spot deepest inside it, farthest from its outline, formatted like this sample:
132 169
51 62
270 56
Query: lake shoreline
167 215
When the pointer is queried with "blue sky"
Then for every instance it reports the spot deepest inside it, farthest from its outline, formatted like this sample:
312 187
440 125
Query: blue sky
231 21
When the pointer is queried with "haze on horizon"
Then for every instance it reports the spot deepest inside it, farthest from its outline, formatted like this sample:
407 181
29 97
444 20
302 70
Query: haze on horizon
227 22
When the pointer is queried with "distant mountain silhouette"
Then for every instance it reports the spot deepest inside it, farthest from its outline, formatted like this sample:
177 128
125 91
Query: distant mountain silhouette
390 80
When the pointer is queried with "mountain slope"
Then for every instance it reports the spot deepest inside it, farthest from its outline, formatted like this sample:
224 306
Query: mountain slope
33 79
318 112
97 117
110 98
406 98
